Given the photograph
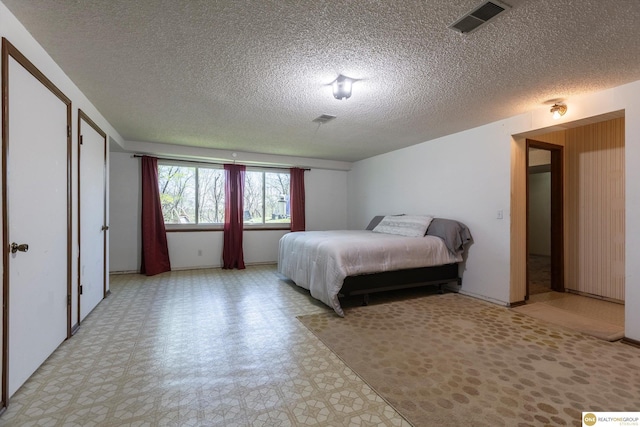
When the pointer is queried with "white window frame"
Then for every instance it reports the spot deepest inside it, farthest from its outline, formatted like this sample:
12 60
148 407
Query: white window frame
220 226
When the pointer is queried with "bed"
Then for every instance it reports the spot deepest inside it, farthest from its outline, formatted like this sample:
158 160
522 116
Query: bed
394 251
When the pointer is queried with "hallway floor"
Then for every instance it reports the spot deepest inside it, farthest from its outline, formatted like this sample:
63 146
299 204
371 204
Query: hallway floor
593 308
539 270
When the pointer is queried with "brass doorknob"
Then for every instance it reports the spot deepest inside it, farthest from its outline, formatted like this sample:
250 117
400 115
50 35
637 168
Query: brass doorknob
23 247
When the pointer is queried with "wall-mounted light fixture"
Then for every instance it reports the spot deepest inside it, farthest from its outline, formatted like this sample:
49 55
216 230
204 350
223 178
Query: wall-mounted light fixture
558 110
342 87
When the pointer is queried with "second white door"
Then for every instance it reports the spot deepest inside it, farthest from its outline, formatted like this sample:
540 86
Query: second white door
92 217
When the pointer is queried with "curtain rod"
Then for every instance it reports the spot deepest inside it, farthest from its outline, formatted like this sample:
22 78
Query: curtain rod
215 163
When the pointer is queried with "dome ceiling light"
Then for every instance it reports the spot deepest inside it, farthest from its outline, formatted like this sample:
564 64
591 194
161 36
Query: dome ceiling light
342 86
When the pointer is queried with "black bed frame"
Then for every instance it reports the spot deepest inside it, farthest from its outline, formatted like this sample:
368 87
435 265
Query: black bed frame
366 284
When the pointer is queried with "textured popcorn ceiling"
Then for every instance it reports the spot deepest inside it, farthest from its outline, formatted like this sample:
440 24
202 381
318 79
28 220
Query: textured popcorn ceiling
252 75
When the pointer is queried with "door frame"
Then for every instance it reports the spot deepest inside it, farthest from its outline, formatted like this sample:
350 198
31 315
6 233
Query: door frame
82 116
8 50
557 212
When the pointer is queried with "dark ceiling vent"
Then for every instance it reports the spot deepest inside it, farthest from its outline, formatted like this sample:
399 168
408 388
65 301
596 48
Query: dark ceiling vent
323 119
478 16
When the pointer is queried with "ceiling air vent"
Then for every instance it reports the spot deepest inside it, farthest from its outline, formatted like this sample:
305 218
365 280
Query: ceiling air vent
323 119
478 16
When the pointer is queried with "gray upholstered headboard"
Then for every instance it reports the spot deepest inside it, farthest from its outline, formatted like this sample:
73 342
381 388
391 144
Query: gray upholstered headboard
454 233
375 221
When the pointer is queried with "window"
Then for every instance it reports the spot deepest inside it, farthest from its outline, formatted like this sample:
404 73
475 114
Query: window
210 196
266 198
194 195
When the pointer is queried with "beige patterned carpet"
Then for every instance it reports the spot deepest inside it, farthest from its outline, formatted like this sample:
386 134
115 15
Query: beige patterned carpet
450 360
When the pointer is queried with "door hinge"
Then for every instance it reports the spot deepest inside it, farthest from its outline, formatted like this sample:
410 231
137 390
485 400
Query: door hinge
80 289
81 141
68 131
69 299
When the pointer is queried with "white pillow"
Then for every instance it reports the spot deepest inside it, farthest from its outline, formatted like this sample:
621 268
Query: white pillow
405 225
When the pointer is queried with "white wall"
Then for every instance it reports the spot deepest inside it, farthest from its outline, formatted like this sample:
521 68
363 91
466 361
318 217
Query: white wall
326 207
450 177
632 211
466 176
124 212
326 199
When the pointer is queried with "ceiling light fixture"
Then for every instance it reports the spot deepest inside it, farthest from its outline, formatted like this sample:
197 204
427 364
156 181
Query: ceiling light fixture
342 87
558 110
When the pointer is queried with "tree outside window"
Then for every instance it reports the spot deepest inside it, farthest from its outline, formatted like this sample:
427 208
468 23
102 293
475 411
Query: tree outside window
177 193
210 196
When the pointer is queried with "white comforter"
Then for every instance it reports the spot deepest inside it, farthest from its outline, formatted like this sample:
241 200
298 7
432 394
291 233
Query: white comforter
320 260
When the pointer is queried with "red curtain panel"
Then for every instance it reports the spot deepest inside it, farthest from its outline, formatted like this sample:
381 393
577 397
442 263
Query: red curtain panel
232 256
155 252
296 193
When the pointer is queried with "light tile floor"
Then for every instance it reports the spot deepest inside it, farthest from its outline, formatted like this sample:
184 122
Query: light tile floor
198 348
211 348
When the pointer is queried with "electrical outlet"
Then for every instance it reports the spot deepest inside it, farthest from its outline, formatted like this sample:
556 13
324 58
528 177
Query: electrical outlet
199 252
500 214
